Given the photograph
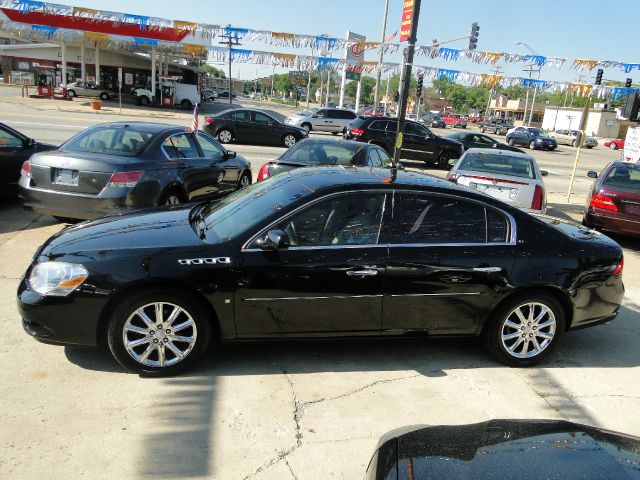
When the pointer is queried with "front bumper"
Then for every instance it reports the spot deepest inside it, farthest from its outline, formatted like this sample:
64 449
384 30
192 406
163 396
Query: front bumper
71 320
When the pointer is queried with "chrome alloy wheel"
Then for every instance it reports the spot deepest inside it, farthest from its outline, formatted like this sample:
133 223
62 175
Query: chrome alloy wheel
245 181
172 200
225 136
528 330
159 334
289 141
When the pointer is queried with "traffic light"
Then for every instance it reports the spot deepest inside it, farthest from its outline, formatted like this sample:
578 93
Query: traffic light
419 86
473 36
599 74
628 83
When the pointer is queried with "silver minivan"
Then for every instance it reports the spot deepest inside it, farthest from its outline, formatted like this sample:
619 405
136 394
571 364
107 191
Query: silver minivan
571 137
332 120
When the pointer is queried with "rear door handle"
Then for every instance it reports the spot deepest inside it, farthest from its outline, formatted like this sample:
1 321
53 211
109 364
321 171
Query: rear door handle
362 273
487 269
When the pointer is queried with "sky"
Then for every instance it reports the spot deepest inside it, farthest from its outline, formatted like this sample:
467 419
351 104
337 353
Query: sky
586 29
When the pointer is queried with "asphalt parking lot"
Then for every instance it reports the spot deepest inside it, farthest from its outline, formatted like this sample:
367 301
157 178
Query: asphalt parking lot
300 410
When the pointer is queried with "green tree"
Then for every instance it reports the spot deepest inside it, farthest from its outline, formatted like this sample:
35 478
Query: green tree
367 85
214 72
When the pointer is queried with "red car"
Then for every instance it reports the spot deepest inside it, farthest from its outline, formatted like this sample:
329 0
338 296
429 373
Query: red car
477 120
614 143
455 120
614 202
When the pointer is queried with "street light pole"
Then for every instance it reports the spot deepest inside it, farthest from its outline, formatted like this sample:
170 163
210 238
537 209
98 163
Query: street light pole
229 41
376 92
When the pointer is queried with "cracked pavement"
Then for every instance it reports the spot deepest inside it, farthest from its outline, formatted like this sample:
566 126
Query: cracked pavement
286 410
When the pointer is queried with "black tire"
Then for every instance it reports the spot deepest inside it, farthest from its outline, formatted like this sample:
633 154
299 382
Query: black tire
496 327
193 310
186 104
532 145
71 93
443 160
244 181
498 131
481 129
613 146
224 135
573 143
144 100
104 96
511 142
306 126
171 197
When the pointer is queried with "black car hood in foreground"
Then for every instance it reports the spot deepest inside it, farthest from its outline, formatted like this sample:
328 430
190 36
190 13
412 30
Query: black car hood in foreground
152 229
510 449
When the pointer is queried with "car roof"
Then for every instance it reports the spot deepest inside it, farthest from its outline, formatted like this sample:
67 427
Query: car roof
149 126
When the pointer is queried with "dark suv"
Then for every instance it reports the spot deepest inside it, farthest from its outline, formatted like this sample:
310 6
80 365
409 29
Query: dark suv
418 143
496 125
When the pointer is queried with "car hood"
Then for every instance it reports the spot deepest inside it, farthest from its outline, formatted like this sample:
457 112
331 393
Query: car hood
516 449
159 228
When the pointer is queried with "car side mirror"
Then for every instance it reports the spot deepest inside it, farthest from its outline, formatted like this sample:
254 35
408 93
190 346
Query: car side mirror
29 143
544 173
230 154
592 174
274 240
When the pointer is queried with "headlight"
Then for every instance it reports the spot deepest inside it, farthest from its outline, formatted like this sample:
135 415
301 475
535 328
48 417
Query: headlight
57 279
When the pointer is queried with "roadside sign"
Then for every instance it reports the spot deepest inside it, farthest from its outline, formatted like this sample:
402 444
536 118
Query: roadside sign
632 145
120 75
407 20
120 87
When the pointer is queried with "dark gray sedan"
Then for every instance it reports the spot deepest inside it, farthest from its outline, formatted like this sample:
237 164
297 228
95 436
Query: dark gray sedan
119 167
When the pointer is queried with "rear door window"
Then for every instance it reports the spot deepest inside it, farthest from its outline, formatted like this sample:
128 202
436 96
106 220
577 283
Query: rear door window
241 116
378 125
181 145
432 220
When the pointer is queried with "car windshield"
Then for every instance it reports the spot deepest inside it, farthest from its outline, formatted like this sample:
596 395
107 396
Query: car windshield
249 206
625 176
308 112
498 164
536 132
122 141
324 153
437 117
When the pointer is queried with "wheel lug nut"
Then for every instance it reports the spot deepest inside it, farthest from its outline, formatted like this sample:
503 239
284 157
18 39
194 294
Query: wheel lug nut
151 332
522 328
531 334
529 323
166 339
535 328
159 327
168 331
155 340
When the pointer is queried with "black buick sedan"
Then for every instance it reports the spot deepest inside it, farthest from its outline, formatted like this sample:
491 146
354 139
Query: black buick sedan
115 168
244 125
317 252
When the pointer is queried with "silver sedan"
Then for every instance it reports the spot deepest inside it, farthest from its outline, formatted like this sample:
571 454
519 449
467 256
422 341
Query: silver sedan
508 176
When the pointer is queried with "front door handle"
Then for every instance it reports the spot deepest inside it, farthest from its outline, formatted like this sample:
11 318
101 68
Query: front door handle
362 273
487 269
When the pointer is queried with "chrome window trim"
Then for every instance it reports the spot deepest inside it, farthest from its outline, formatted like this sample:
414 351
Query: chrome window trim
452 294
320 247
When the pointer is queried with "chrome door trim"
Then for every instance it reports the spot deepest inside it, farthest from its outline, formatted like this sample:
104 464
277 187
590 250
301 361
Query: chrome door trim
261 299
435 294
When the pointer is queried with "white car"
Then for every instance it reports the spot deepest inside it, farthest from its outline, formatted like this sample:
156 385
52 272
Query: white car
571 137
334 120
509 176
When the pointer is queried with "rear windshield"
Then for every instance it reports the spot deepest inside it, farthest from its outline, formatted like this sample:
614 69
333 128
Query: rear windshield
625 176
120 141
359 121
499 164
329 153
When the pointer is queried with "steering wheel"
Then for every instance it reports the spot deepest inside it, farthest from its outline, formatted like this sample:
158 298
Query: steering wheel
332 160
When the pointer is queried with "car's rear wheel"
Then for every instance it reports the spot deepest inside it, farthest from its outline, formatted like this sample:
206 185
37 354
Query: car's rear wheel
225 136
104 96
613 146
186 104
172 197
498 131
573 143
289 140
481 129
158 331
144 100
532 145
524 330
510 142
306 126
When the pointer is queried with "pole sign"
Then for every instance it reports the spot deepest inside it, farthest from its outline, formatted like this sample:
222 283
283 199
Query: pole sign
354 56
407 20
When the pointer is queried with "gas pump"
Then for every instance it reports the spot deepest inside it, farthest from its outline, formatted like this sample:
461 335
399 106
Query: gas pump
46 80
168 90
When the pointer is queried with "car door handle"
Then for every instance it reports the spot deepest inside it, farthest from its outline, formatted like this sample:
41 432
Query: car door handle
487 269
362 273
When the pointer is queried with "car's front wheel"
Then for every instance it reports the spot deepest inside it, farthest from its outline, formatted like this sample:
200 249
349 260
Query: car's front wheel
443 160
158 331
613 146
104 96
532 145
71 93
498 132
525 329
511 142
245 181
289 140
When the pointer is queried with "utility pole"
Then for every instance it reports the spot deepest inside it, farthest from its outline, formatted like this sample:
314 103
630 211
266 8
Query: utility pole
533 102
526 101
376 92
496 71
406 78
582 128
230 41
